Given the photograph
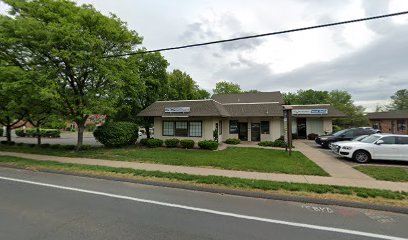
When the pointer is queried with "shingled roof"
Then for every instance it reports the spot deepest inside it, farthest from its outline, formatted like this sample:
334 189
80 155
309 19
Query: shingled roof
257 97
198 108
388 115
254 110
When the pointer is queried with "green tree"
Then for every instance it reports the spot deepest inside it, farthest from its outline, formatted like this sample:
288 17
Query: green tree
182 87
13 89
306 97
399 101
225 87
69 44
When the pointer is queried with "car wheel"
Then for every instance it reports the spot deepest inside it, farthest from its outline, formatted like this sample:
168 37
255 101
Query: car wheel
361 156
326 145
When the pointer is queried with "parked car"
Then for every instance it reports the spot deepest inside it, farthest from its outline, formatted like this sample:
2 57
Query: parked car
375 130
376 146
333 146
343 135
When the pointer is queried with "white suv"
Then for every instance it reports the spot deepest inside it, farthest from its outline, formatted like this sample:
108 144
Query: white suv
376 146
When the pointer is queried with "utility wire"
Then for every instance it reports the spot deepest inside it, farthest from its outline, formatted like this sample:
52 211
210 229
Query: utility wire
259 35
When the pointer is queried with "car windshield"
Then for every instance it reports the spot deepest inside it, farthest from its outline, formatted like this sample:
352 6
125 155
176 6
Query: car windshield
336 134
370 139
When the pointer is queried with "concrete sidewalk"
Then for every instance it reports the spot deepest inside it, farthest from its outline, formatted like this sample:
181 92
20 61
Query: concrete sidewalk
339 181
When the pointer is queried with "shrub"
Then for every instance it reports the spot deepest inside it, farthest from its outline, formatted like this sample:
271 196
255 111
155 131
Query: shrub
85 147
312 136
31 145
45 145
279 143
143 141
186 143
117 134
233 141
265 144
1 132
32 132
208 144
20 144
55 146
281 138
153 143
7 143
172 142
336 128
68 147
20 133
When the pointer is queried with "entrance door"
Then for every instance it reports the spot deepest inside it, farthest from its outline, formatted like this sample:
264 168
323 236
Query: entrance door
255 132
301 127
243 131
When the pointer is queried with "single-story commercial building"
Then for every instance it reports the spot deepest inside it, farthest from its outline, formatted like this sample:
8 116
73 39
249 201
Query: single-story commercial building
247 116
389 122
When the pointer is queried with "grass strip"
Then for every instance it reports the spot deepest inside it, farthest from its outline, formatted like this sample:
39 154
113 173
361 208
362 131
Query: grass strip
246 184
395 174
232 158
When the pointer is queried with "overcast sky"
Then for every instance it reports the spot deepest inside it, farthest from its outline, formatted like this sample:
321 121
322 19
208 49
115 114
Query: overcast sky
370 60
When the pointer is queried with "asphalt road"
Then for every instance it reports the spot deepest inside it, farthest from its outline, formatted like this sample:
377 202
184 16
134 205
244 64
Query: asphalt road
37 205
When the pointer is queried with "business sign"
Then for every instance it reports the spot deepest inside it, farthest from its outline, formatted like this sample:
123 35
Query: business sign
310 111
177 109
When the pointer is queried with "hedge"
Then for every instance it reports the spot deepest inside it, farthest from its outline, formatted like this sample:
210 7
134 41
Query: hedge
233 141
143 141
208 144
186 143
32 132
153 143
276 143
173 142
117 134
1 132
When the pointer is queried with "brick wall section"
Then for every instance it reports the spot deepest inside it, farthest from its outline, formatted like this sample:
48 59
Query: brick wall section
389 125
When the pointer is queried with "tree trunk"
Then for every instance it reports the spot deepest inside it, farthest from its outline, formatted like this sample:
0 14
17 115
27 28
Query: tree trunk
8 133
81 128
38 136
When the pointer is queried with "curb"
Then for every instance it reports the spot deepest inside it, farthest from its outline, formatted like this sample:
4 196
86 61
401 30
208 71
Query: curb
234 192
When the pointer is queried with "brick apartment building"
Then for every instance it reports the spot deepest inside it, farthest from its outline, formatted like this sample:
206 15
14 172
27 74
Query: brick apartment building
389 122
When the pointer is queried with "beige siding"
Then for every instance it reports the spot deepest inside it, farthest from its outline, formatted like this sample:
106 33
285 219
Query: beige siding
314 125
327 125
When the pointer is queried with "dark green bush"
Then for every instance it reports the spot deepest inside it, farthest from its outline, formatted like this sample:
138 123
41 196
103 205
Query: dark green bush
153 143
279 143
85 147
143 141
266 143
55 146
173 142
233 141
32 132
8 143
45 145
186 143
117 134
208 144
32 145
68 147
312 136
1 132
20 144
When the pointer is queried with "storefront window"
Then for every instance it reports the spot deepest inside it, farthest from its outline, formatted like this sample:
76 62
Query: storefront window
168 128
181 129
265 127
233 127
195 129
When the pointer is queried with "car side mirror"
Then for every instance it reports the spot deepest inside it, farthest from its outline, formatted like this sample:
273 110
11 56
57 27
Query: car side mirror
379 142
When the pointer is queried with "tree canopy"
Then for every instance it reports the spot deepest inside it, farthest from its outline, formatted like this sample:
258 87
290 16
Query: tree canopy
183 87
225 87
399 101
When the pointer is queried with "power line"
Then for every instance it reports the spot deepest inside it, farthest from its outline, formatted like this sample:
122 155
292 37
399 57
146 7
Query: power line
260 35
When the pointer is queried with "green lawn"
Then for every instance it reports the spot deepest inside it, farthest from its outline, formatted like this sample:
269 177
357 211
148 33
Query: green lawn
244 159
238 183
395 174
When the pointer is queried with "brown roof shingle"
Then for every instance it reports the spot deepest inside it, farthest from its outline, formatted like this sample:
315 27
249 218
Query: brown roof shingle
254 110
258 97
388 115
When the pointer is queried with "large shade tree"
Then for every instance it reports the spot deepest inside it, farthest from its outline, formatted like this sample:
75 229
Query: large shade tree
399 101
182 87
70 45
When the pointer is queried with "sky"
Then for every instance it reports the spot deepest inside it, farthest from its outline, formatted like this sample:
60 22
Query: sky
367 59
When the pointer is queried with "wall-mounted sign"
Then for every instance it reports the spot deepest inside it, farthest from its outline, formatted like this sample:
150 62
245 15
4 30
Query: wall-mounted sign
309 111
177 109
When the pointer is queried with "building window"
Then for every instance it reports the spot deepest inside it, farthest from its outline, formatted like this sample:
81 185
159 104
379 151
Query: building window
168 128
195 129
233 127
401 125
265 127
181 129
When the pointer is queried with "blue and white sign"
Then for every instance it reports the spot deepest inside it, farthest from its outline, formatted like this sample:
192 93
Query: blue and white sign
177 109
310 111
